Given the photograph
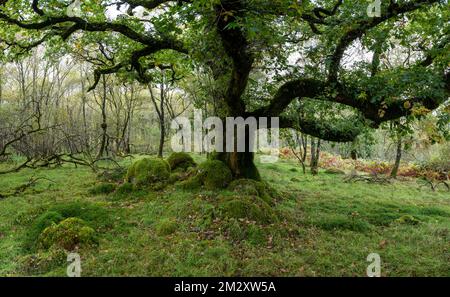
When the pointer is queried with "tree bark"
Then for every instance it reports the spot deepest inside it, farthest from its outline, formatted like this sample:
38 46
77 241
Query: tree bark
104 125
398 158
315 154
241 164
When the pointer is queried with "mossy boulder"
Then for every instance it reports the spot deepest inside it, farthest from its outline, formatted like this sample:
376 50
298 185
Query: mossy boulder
191 183
252 208
214 174
253 187
176 177
180 161
150 173
43 221
67 234
95 214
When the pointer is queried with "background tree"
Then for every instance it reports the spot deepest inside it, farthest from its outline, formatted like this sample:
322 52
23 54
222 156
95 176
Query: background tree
237 39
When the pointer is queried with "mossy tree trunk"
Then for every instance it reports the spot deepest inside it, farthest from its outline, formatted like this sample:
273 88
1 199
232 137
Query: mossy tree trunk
241 164
398 158
315 154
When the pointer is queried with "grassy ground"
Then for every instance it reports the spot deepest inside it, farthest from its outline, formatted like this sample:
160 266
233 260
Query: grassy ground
326 228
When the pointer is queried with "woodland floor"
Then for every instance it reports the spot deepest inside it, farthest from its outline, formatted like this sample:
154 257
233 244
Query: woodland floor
327 228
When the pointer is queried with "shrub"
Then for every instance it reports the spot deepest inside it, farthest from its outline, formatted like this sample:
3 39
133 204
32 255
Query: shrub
68 234
166 227
247 207
180 161
150 173
103 188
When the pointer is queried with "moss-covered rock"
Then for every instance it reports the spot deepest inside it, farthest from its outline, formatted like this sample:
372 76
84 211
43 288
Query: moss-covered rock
166 227
95 214
150 173
191 183
67 234
43 221
175 177
180 161
214 174
252 208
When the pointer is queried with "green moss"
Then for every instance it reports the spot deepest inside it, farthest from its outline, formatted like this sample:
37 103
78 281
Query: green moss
152 173
235 230
175 177
252 187
407 219
256 235
180 161
247 207
113 175
191 184
214 174
43 261
343 223
103 188
334 171
68 234
166 227
93 213
43 221
125 188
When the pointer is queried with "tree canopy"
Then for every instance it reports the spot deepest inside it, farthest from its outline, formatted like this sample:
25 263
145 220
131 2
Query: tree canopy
268 58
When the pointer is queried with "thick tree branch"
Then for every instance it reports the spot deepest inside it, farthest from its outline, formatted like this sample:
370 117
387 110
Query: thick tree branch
237 48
